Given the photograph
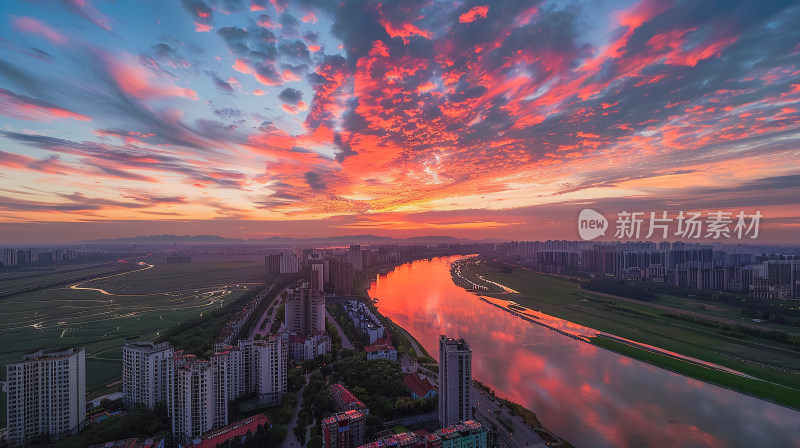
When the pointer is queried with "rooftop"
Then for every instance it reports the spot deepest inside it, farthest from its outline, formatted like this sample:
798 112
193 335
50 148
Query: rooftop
420 386
240 428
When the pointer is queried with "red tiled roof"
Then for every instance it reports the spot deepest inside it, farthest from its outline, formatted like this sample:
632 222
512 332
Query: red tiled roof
239 428
380 345
420 386
345 399
378 348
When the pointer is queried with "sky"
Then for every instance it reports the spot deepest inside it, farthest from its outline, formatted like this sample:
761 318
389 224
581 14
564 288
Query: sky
315 118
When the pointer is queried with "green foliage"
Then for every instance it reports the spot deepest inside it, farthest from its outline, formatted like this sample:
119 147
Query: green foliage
280 316
738 331
295 380
379 384
196 336
138 422
278 434
315 442
356 337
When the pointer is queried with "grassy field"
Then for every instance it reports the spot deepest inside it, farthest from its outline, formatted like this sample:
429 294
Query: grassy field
181 278
752 355
773 392
40 276
143 304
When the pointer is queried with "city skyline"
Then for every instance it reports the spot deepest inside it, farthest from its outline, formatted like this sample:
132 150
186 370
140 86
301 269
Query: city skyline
252 119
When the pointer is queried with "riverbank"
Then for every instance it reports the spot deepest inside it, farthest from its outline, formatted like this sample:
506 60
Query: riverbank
770 367
515 409
361 288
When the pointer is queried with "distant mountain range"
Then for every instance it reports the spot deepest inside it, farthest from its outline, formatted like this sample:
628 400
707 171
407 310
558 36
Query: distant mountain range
275 240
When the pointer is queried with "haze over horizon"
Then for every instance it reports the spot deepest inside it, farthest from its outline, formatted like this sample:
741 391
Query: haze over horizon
310 118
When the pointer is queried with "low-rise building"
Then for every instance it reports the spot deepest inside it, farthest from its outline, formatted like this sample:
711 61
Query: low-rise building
364 320
469 434
420 387
381 349
345 400
306 348
237 429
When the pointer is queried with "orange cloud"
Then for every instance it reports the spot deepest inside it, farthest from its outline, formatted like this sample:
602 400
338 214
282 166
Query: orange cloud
473 14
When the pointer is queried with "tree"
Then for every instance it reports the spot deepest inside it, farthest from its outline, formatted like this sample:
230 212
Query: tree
315 442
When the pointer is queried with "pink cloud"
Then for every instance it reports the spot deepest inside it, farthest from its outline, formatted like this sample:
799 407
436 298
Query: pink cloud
139 82
294 109
310 17
31 109
34 26
202 27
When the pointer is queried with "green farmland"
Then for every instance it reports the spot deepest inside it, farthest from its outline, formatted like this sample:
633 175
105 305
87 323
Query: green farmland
100 314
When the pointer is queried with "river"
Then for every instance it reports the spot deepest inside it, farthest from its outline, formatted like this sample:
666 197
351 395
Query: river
590 396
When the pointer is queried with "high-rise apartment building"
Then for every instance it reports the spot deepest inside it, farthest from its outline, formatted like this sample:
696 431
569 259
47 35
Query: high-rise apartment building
317 280
46 396
272 264
9 257
344 430
341 276
305 321
33 255
199 391
281 263
191 401
145 368
455 380
305 311
355 258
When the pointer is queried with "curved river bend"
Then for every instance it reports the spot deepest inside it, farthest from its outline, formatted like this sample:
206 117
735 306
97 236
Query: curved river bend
590 396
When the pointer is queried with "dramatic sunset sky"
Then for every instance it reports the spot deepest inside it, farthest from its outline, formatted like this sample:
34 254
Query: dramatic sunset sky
487 119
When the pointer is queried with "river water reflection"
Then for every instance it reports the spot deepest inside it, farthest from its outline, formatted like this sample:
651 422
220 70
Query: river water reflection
590 396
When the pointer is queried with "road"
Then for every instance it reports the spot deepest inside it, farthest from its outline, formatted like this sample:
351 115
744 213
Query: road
267 314
521 437
419 351
346 344
408 364
291 440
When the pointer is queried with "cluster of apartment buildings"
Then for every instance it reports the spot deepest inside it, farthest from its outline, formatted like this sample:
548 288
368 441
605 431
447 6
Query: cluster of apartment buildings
12 257
725 268
197 392
305 318
346 429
